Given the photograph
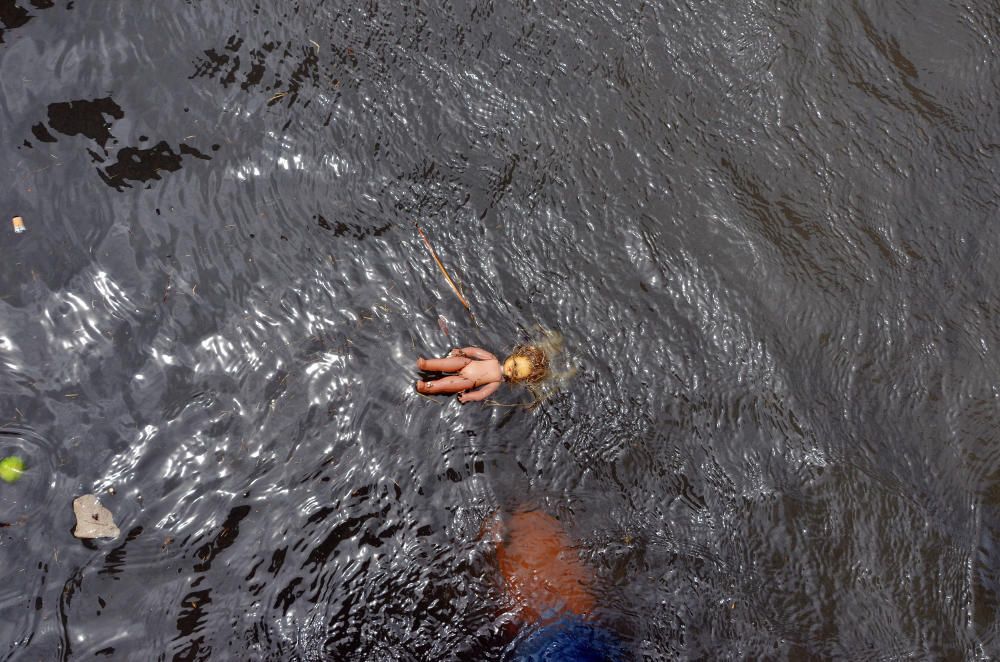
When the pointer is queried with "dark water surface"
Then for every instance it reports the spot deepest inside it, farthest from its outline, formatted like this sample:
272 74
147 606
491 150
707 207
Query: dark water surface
765 229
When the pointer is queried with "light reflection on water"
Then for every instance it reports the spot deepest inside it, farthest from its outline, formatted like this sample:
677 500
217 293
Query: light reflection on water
762 232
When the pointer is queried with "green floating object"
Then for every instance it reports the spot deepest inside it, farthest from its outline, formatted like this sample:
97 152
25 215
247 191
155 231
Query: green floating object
11 469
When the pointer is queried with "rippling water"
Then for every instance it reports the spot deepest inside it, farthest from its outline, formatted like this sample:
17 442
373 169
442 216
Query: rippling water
764 230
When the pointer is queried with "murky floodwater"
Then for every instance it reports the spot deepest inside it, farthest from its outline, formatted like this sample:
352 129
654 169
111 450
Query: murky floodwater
765 231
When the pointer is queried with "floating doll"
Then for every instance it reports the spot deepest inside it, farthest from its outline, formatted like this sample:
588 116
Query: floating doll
480 373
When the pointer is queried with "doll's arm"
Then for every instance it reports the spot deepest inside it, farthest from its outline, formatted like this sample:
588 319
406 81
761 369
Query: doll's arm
473 353
480 393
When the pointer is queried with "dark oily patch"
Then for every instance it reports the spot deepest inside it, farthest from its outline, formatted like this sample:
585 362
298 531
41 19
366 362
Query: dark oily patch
42 133
294 66
358 231
90 118
143 165
85 117
14 16
92 519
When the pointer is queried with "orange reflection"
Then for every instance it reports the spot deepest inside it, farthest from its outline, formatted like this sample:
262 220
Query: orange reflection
541 570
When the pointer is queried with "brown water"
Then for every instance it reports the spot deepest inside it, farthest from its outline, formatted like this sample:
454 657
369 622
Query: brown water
765 231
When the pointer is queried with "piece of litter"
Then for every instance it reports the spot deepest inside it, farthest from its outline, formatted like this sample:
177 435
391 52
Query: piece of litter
447 276
92 519
11 469
443 324
18 224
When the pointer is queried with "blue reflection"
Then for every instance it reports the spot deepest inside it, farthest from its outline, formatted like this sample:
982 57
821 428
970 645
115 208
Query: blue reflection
570 639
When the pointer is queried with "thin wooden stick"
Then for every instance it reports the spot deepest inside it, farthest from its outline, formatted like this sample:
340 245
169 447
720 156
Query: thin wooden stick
447 277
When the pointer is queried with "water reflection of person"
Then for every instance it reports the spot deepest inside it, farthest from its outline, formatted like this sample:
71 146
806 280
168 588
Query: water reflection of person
551 593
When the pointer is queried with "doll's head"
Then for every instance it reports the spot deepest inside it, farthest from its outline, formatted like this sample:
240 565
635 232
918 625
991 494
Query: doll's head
527 364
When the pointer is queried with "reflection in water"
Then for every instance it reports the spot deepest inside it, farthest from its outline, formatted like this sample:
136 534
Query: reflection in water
543 575
551 592
764 229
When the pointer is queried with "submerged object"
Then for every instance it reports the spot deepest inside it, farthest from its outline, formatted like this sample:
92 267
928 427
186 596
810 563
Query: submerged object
18 224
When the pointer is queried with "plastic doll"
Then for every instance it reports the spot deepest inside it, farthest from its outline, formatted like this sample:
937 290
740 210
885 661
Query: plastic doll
479 373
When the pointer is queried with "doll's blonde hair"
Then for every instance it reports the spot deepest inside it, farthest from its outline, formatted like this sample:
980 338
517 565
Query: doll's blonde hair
536 358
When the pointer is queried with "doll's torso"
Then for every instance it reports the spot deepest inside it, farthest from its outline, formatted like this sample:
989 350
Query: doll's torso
483 372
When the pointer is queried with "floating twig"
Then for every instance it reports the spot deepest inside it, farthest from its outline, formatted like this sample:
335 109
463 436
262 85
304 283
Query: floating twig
497 403
427 397
447 277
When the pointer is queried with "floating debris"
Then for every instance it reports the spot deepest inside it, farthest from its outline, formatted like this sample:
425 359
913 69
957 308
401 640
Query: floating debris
11 469
447 276
560 372
18 223
92 519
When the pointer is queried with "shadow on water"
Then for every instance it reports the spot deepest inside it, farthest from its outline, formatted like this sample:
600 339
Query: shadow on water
762 233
